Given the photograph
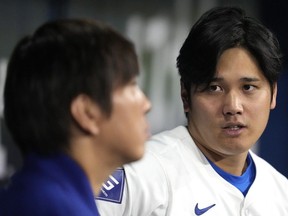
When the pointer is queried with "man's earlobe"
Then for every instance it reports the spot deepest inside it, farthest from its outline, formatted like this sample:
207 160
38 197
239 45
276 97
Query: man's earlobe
274 96
86 114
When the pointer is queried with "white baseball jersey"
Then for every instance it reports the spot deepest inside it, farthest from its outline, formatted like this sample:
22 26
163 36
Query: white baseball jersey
174 178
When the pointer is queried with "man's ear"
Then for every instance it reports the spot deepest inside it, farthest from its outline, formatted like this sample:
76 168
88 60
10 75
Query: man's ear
274 96
86 113
184 97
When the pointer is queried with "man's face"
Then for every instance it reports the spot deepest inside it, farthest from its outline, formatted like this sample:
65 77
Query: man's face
126 130
228 117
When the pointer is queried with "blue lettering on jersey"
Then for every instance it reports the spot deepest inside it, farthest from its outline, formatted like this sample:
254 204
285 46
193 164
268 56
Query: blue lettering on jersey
112 189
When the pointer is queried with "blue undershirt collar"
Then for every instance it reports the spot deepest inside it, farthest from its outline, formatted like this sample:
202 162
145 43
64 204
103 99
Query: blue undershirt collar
243 182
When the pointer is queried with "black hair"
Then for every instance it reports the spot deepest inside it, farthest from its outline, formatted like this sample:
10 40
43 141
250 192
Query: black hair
219 29
48 69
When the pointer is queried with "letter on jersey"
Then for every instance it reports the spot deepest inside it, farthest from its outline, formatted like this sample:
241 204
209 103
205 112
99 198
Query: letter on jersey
112 189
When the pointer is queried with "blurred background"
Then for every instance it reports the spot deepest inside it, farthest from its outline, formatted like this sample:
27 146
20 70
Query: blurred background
158 29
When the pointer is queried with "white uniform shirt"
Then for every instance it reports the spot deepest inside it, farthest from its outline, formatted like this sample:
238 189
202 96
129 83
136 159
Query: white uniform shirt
174 178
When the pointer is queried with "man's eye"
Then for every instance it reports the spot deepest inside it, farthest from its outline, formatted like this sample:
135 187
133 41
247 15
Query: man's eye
248 87
214 88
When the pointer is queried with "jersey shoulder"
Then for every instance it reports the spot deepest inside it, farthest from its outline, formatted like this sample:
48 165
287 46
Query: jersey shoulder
268 172
142 187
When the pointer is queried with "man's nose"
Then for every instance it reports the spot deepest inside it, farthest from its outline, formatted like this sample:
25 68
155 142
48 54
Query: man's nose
232 104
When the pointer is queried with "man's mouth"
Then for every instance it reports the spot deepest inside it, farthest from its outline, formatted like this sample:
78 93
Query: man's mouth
234 127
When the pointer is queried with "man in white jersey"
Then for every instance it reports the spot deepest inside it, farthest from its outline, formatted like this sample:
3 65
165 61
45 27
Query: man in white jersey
229 65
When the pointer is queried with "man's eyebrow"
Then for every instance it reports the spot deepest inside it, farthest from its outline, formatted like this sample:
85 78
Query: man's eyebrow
244 79
250 79
217 79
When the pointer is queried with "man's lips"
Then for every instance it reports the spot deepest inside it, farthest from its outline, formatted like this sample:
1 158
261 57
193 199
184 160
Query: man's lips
233 129
233 126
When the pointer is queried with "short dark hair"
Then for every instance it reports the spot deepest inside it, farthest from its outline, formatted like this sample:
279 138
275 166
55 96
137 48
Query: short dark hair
62 59
222 28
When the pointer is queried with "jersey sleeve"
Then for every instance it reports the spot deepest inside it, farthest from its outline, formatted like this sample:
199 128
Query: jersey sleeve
145 190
